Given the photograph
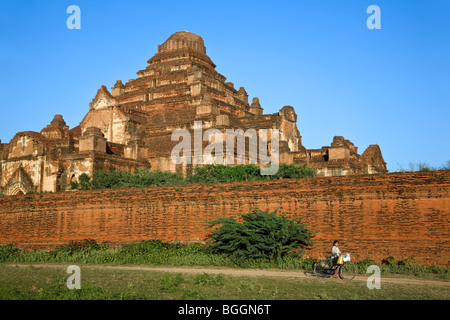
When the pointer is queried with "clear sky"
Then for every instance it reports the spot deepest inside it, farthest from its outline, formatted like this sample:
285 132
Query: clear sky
389 86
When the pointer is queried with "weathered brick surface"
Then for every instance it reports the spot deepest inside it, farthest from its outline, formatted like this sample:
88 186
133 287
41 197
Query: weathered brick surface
375 216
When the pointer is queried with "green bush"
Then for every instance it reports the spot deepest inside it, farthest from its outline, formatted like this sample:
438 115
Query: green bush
8 252
389 261
364 264
158 252
202 174
408 262
222 173
139 178
294 172
85 182
79 251
125 179
111 179
260 235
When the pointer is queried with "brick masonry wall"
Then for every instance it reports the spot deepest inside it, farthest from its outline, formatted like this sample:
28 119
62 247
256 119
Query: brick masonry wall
374 216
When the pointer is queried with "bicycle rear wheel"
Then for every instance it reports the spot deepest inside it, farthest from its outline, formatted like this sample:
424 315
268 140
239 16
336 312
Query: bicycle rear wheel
322 269
347 271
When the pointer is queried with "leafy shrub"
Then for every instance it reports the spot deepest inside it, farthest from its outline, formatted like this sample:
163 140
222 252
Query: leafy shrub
294 172
83 245
8 252
260 235
364 264
222 173
112 179
307 264
408 262
139 178
74 185
202 174
389 261
125 179
78 250
143 247
439 270
84 182
158 252
146 178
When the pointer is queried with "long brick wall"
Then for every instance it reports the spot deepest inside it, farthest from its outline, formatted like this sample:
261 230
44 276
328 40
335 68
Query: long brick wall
374 216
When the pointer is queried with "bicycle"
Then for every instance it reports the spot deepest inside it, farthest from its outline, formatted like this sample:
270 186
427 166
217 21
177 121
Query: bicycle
345 271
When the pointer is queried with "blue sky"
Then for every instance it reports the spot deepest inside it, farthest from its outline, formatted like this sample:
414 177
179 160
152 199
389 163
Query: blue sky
389 86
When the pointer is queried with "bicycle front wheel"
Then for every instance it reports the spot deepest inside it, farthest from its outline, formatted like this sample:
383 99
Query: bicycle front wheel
347 271
322 268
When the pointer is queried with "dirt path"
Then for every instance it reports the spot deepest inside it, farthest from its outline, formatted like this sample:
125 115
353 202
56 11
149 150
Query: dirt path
238 272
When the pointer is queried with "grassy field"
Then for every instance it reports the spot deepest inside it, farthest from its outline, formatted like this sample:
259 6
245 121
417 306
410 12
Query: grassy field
155 252
107 274
49 283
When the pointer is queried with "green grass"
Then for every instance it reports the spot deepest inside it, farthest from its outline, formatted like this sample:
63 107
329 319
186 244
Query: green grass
156 253
44 283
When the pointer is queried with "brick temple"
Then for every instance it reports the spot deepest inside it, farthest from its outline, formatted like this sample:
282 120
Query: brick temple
131 126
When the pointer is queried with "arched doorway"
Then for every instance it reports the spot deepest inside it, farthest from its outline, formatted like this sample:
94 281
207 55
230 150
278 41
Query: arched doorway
19 183
16 189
